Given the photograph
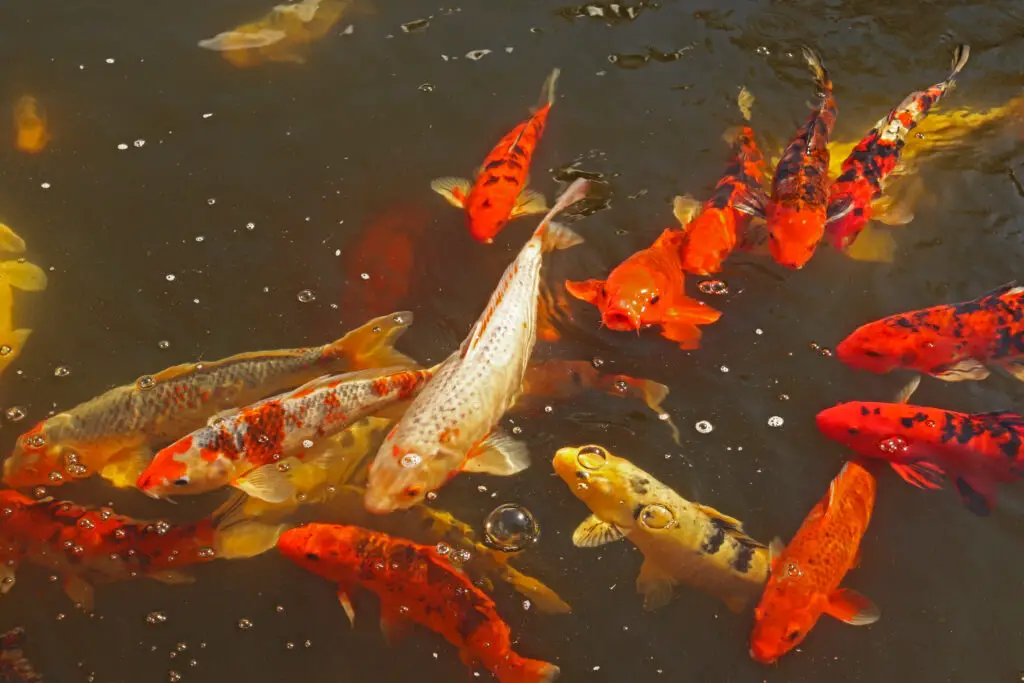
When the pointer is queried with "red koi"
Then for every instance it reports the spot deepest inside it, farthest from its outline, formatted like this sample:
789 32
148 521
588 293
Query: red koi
799 208
499 193
414 583
648 289
951 342
805 576
877 155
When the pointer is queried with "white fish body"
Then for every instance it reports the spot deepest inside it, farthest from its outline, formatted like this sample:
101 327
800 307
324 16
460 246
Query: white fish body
446 428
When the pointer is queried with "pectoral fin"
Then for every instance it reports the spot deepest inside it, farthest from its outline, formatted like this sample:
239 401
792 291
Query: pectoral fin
725 520
838 208
394 627
80 591
977 492
922 474
1015 368
775 549
455 190
655 585
752 202
852 608
593 532
590 291
529 202
873 245
124 468
498 454
685 208
267 483
346 604
172 578
967 369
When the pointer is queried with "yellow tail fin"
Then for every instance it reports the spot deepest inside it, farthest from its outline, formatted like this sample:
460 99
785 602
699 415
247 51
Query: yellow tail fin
372 345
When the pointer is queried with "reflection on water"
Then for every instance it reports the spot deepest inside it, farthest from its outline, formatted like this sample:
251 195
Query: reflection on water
179 209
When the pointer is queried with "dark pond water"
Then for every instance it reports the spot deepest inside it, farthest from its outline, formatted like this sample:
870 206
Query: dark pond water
328 156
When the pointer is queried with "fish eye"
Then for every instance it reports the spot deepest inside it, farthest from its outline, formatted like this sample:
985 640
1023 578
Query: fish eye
655 299
181 481
592 457
413 491
792 634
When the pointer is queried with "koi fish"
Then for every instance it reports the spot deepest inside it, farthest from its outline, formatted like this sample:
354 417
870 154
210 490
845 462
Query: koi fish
952 342
450 425
245 447
24 276
805 576
871 161
14 666
88 546
924 445
681 541
279 35
415 584
799 208
499 193
648 289
30 131
114 433
710 231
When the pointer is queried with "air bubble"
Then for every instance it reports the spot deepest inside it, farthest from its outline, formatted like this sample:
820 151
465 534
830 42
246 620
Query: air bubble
477 55
6 350
704 427
716 287
510 528
775 421
307 443
145 382
305 296
61 371
15 413
170 277
244 624
410 460
596 362
163 344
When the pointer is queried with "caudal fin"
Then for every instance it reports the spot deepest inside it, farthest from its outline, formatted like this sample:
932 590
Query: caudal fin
554 235
9 240
516 669
372 345
961 54
547 92
821 77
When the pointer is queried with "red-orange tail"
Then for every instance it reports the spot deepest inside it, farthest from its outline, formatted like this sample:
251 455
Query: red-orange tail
517 669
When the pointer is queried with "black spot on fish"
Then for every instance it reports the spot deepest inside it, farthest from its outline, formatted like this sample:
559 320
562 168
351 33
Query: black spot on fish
515 164
313 556
872 354
490 180
864 410
517 150
877 411
744 555
580 474
498 163
715 539
853 430
907 422
509 179
486 203
903 322
639 485
472 619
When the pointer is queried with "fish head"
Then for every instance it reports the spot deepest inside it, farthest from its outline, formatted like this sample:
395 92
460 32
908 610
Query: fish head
636 295
185 467
487 214
323 549
404 472
485 225
873 430
794 234
606 483
38 460
895 342
789 609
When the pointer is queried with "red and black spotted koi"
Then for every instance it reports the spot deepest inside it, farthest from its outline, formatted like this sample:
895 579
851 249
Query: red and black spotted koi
799 208
244 447
874 158
975 450
952 342
499 193
415 583
87 546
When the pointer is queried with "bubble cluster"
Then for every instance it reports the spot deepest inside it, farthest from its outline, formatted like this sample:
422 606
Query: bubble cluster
15 413
775 421
156 618
716 287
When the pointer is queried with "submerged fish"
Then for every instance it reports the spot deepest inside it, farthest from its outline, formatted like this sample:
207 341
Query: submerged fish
87 546
499 192
805 576
245 447
450 426
682 542
24 276
875 157
114 433
924 445
648 289
31 134
14 667
952 342
711 232
278 35
415 584
798 209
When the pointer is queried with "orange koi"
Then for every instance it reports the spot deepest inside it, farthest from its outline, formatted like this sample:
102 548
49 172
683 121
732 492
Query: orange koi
499 193
30 129
805 576
648 289
415 584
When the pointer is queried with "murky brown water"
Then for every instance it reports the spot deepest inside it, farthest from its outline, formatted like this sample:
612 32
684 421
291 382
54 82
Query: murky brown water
321 157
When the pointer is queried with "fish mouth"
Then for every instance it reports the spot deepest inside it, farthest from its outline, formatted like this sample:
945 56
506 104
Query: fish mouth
620 321
762 658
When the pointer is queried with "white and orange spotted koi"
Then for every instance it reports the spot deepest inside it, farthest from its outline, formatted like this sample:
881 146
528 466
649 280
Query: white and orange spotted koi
449 427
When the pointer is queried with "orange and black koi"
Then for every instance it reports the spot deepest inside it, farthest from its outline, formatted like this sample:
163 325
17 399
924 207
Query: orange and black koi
799 208
499 192
874 158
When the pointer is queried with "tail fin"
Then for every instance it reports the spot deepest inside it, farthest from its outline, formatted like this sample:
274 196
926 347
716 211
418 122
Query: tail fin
515 669
543 597
372 345
821 77
960 56
557 236
26 276
547 92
